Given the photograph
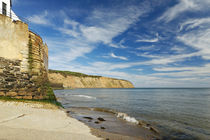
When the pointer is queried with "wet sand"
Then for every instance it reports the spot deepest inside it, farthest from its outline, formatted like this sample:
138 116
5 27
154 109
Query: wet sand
108 126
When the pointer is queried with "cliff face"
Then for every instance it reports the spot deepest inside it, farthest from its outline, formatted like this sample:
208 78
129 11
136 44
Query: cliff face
71 81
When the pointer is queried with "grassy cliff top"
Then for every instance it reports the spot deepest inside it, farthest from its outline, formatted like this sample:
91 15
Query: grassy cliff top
77 74
70 73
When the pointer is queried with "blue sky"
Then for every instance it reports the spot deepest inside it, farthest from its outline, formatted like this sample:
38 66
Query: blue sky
164 43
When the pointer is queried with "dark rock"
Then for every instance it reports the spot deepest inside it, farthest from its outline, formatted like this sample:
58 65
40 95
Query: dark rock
96 122
89 118
103 127
101 119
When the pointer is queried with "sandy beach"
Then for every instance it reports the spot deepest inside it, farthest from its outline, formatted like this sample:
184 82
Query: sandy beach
23 121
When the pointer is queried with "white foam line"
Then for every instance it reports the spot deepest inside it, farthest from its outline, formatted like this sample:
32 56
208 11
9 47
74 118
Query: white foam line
84 96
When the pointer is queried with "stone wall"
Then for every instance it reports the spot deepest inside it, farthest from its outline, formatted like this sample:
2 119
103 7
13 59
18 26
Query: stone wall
39 54
23 61
17 84
14 41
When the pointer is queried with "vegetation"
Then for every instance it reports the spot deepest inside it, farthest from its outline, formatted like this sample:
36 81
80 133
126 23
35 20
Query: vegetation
30 57
3 98
69 73
50 97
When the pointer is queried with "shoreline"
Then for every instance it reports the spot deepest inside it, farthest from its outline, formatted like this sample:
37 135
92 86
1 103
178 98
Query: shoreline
37 120
106 124
19 120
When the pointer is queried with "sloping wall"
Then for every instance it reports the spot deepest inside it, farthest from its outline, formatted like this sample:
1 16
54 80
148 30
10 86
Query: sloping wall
23 61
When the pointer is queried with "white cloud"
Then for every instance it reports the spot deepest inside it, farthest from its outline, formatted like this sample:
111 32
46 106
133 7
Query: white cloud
183 6
148 40
41 19
146 48
199 40
192 23
64 51
69 32
179 50
118 57
190 72
153 40
140 80
109 23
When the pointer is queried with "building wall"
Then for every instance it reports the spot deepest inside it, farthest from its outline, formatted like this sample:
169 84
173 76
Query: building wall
14 41
23 61
8 6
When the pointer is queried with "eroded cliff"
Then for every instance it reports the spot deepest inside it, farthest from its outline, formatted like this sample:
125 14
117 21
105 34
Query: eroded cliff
64 79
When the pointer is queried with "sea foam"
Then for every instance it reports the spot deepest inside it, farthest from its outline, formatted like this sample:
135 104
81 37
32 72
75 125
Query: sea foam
84 96
127 118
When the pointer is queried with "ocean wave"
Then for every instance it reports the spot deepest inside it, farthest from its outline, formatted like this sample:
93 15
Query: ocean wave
127 118
84 96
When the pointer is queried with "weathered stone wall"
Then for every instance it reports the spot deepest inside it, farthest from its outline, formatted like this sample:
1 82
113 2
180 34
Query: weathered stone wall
14 41
17 84
39 54
23 61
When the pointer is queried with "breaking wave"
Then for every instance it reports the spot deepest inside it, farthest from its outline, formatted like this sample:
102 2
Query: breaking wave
127 118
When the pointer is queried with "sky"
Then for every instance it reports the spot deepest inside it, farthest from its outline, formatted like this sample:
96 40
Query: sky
152 43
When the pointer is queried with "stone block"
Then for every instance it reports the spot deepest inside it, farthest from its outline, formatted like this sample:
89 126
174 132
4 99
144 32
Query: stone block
19 97
2 94
11 94
27 97
38 97
21 93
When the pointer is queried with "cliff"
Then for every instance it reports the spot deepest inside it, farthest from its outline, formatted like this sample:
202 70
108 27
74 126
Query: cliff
64 79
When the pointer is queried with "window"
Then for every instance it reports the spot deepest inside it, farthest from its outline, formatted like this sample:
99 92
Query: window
4 8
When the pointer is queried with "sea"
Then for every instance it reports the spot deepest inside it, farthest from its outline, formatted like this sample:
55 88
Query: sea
176 113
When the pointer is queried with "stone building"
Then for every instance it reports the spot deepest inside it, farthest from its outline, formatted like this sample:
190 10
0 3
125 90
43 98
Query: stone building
6 9
23 58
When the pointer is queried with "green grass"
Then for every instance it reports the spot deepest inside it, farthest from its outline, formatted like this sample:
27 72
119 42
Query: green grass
49 98
3 98
70 73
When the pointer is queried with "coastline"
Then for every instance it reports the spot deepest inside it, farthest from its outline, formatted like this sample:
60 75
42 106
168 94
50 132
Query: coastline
19 120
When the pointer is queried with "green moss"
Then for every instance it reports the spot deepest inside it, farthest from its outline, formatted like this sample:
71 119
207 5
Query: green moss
54 102
70 73
45 88
30 57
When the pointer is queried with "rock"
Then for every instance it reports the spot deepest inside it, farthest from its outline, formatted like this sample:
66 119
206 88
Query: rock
96 122
38 97
19 97
2 94
21 93
103 128
27 97
89 118
11 94
101 119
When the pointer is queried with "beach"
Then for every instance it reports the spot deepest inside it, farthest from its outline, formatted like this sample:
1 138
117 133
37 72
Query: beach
23 121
